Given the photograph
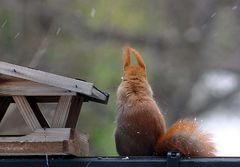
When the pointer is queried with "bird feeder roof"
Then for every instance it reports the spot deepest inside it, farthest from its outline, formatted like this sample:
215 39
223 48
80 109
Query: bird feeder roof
19 80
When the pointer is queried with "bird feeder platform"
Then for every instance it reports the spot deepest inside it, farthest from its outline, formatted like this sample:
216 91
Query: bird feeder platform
27 88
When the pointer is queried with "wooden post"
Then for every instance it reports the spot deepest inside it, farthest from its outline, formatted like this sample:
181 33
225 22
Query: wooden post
27 112
42 120
61 113
51 141
74 111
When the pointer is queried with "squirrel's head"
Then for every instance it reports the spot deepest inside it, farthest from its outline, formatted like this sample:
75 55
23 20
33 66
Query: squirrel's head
133 70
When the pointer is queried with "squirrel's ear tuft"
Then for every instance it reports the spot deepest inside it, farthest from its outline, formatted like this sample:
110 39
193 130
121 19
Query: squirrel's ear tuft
138 58
126 57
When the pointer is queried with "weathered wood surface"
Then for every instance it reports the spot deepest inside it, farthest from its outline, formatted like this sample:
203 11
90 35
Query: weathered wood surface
11 86
27 112
18 80
38 99
61 113
46 99
46 78
32 82
52 141
99 96
74 112
41 118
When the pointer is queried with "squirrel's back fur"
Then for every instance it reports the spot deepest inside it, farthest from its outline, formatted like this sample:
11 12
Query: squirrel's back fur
139 121
141 127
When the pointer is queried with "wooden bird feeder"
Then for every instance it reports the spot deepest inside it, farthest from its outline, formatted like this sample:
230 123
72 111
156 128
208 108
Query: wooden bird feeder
27 88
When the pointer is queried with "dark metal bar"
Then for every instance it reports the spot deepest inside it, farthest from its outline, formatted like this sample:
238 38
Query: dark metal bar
70 161
173 159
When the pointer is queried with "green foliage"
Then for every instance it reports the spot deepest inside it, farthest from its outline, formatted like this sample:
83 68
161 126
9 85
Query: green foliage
5 29
128 16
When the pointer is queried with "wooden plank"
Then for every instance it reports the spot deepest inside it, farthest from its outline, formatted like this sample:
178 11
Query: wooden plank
46 78
51 141
99 96
42 120
4 103
61 113
46 99
40 99
29 88
7 87
79 145
27 112
74 111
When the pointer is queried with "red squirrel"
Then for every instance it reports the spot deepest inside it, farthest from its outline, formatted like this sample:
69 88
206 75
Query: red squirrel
141 128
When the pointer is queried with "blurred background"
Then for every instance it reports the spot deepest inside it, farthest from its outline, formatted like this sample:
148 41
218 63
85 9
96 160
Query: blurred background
191 49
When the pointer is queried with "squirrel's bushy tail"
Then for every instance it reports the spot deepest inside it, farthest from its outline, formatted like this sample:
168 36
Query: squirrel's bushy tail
185 137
